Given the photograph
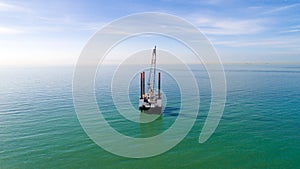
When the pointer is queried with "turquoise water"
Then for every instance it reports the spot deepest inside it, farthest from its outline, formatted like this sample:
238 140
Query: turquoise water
259 128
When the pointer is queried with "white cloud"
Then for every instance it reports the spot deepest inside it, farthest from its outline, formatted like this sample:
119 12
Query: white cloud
226 26
292 29
281 8
6 30
251 43
281 42
47 27
7 7
10 7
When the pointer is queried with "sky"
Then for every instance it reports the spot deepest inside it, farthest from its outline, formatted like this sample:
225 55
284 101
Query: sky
35 32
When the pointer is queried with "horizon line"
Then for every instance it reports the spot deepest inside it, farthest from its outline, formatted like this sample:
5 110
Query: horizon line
73 65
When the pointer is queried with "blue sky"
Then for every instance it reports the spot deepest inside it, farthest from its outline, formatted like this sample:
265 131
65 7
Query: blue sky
54 32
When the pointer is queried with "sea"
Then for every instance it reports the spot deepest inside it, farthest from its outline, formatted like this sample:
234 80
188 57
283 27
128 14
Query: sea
259 128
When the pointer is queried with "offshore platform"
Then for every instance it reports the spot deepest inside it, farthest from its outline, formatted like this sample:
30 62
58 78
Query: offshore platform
151 102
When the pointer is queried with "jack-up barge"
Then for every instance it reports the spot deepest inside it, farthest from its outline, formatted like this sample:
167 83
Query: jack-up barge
151 102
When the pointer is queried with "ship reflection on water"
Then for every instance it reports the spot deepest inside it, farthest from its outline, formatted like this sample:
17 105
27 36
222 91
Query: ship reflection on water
154 127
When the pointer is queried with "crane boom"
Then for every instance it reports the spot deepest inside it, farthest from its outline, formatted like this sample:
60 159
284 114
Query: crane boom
151 81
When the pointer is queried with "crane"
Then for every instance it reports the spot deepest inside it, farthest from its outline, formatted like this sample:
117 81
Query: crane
151 80
151 102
